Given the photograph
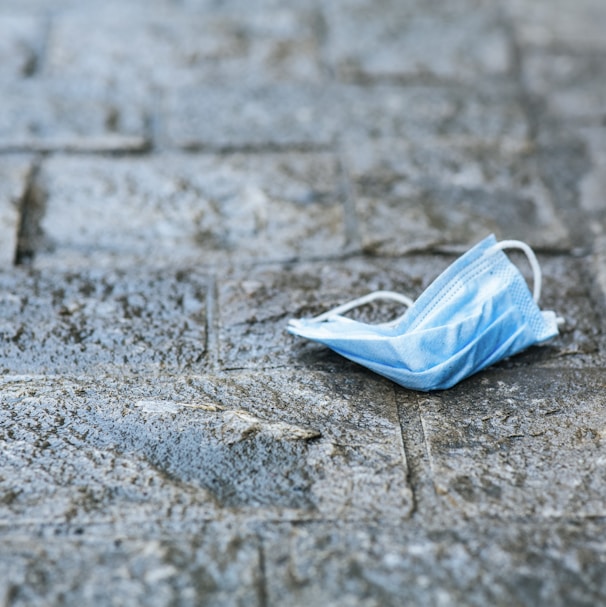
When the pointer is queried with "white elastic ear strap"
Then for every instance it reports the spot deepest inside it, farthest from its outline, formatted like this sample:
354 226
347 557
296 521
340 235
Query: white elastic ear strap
361 301
532 258
393 296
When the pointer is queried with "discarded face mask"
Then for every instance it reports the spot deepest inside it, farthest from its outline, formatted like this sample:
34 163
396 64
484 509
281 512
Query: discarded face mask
477 312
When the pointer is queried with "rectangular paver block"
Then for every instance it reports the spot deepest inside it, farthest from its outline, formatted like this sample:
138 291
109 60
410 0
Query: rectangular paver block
520 443
206 209
41 114
411 196
176 49
168 453
96 321
406 42
474 564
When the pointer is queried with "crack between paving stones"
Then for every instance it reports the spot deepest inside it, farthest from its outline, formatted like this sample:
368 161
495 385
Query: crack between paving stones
263 594
408 458
31 210
420 469
212 324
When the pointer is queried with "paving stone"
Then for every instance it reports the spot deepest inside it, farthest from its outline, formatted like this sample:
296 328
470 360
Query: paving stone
54 8
61 466
560 23
492 563
356 469
511 444
20 38
96 321
234 116
42 115
175 50
599 269
427 113
207 209
406 42
246 6
14 175
167 454
565 161
217 565
571 84
410 197
593 184
303 116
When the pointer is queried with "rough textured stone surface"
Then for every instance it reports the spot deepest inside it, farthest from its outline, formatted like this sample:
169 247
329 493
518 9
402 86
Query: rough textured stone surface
134 321
407 42
191 209
182 451
515 429
513 564
546 23
571 84
174 49
417 196
247 116
42 115
217 565
178 178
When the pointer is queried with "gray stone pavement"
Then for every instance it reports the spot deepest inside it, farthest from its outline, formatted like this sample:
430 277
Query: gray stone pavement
178 178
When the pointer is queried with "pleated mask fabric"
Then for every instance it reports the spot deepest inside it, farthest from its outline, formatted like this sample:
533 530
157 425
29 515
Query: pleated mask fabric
476 313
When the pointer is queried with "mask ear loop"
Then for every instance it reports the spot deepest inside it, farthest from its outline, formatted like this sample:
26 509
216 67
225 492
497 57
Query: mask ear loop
365 299
534 264
532 258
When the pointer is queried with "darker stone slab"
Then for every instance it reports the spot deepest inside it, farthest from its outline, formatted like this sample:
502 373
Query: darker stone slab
519 443
102 321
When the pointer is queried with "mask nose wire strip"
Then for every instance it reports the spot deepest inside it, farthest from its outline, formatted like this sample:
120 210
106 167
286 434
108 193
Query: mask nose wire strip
532 258
361 301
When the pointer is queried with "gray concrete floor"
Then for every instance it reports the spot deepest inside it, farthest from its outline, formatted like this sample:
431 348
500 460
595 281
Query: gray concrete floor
177 180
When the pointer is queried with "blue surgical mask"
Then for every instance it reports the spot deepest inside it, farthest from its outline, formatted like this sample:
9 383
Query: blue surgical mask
477 312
